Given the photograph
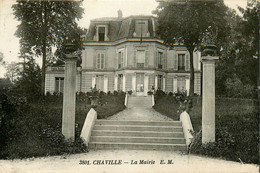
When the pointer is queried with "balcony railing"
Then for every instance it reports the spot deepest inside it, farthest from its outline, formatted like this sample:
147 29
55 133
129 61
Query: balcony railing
140 65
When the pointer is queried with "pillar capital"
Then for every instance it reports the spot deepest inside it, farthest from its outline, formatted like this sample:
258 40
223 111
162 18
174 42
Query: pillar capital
209 59
71 57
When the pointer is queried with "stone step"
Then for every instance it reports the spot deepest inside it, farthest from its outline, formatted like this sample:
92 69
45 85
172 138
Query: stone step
137 133
120 139
139 128
143 123
136 146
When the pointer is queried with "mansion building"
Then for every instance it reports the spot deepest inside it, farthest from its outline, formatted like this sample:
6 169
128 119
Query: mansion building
127 54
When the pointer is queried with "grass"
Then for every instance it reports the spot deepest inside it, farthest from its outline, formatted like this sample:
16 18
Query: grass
33 128
237 134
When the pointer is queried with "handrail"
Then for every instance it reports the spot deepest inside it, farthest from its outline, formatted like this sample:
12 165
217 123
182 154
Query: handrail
126 99
187 127
88 126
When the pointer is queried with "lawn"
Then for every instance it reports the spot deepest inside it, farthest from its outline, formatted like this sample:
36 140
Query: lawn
32 128
237 125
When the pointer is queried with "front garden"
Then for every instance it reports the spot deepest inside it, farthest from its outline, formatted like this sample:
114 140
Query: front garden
237 125
32 127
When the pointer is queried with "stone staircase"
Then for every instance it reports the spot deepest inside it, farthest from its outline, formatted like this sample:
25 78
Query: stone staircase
137 135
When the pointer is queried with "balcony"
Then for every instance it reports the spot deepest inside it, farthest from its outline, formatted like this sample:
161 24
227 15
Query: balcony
140 65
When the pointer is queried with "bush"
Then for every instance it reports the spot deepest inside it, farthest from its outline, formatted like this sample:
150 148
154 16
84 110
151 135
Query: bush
130 92
33 128
236 140
237 126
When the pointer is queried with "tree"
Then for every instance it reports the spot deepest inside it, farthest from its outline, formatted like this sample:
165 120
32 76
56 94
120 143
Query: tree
45 24
13 71
238 62
187 23
29 81
2 62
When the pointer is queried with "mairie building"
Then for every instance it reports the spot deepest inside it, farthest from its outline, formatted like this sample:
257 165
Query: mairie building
125 53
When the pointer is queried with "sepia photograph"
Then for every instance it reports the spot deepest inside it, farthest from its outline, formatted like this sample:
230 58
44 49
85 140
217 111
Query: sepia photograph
132 86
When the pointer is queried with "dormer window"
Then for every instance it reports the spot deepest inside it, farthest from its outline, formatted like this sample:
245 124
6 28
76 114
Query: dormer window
101 33
141 28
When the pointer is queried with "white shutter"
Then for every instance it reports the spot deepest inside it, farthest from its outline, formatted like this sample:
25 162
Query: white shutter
98 61
102 61
146 58
175 61
164 61
187 60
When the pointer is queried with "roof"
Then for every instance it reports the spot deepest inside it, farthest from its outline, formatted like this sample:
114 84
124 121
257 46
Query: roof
119 28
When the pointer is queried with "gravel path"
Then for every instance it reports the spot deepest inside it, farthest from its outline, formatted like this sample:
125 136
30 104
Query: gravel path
137 113
139 108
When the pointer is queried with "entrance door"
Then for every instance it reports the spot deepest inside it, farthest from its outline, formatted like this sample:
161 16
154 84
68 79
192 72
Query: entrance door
139 84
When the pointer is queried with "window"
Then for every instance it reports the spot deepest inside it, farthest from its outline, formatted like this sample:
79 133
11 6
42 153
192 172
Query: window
181 61
101 61
100 82
160 82
140 58
101 34
141 28
160 60
181 84
59 84
120 82
120 59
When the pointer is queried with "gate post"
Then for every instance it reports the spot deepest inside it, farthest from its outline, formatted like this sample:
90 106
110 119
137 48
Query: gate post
69 98
208 96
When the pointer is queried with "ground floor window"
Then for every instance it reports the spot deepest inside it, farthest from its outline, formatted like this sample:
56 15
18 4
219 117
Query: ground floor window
181 84
59 84
160 82
100 82
120 82
139 82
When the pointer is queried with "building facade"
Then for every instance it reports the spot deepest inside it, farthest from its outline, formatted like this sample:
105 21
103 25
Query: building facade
126 54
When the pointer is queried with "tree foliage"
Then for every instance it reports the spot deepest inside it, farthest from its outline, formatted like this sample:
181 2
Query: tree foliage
13 71
45 24
236 71
189 23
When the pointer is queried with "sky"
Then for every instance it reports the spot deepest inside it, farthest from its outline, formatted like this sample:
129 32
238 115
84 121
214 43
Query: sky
9 43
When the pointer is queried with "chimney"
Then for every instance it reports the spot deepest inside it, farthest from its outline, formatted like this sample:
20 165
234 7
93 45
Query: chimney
120 14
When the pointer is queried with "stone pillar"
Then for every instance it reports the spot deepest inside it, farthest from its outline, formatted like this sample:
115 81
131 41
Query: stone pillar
146 82
175 85
208 99
164 83
187 80
105 84
69 98
156 82
116 81
124 81
134 83
93 81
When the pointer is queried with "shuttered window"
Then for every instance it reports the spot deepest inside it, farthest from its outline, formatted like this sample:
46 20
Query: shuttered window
181 61
59 84
160 60
101 61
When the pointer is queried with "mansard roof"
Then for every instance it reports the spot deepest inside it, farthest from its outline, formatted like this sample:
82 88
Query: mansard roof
119 28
